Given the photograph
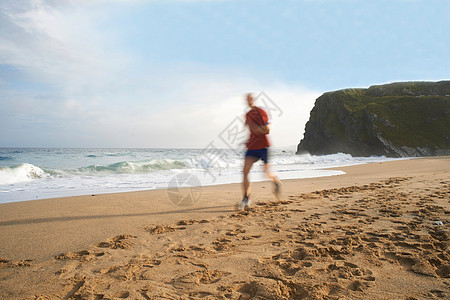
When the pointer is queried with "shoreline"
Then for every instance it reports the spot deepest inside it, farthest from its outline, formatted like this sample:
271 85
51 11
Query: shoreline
134 205
33 233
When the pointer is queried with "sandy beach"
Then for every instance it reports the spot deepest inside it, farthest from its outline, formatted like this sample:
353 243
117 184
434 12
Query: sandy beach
381 231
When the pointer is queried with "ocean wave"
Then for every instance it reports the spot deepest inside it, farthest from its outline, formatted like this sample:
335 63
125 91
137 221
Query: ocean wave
117 154
20 173
308 159
136 167
331 160
6 158
220 163
226 159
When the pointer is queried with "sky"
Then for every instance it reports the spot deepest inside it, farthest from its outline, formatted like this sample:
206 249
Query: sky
173 73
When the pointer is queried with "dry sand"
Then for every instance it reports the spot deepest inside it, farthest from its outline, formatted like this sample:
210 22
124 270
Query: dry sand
369 234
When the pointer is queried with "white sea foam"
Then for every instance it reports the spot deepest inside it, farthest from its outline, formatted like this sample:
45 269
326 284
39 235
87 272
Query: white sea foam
20 173
135 167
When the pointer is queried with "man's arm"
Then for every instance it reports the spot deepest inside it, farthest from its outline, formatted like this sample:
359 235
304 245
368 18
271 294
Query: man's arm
259 129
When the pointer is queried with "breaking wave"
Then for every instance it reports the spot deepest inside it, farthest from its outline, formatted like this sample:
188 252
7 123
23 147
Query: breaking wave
135 167
21 173
28 172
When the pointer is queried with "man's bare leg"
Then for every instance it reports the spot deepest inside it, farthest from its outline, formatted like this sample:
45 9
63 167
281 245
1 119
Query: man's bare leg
248 163
276 181
270 175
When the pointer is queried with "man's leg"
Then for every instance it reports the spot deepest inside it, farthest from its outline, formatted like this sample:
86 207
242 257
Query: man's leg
276 181
248 163
270 175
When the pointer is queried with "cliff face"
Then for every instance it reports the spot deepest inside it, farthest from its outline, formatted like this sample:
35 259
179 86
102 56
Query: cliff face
396 120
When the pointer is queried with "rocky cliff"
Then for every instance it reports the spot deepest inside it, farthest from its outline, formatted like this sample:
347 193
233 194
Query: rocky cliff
397 120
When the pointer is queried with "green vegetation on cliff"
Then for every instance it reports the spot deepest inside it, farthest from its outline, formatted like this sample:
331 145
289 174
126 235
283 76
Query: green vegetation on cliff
399 119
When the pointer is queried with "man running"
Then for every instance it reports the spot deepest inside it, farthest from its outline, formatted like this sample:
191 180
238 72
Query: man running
258 123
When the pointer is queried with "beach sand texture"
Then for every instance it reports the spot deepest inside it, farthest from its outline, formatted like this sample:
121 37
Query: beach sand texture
379 232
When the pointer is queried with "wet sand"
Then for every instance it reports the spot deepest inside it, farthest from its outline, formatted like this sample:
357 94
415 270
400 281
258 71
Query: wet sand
381 231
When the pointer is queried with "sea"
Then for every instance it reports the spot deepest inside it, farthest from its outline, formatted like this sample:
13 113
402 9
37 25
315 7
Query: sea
42 173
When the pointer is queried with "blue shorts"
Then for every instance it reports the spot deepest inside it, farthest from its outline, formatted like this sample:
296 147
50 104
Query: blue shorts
259 154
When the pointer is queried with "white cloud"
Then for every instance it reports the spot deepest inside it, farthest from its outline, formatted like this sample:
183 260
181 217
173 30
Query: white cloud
94 96
195 123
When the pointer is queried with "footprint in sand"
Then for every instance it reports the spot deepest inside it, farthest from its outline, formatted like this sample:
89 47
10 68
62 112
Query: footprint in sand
417 264
118 242
122 294
83 255
348 270
21 263
159 229
251 237
135 269
222 244
201 277
235 232
191 222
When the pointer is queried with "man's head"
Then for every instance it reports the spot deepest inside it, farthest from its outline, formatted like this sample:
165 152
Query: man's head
250 100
